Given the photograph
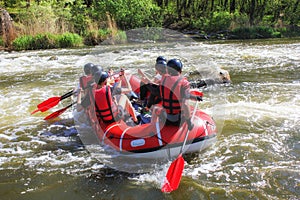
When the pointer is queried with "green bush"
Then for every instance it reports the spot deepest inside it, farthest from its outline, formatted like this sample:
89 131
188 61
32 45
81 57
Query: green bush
240 20
79 17
103 34
95 37
46 41
276 34
267 20
23 43
131 14
242 33
262 32
69 40
198 23
219 21
292 31
255 32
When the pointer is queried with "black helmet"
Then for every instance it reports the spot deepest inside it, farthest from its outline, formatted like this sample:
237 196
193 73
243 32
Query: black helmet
104 76
161 66
100 76
161 58
87 68
96 68
175 64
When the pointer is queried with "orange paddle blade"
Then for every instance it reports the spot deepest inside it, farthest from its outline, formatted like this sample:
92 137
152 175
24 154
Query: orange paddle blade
47 104
174 174
37 110
196 92
57 113
51 102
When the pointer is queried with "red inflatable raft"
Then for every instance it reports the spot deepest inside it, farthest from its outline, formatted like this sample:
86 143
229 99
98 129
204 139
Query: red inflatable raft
153 140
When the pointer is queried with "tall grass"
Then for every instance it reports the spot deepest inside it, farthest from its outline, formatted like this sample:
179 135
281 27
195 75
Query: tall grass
47 41
1 42
37 19
44 26
109 35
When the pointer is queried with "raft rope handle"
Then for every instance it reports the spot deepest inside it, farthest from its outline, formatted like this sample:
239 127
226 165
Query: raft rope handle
121 139
204 124
112 136
158 133
104 135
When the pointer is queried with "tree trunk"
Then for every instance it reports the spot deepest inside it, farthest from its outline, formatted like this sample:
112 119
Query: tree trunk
225 4
160 3
166 3
179 8
27 3
252 12
88 3
232 6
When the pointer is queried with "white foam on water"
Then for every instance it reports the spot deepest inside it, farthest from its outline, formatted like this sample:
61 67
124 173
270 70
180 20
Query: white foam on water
263 120
256 110
156 176
6 137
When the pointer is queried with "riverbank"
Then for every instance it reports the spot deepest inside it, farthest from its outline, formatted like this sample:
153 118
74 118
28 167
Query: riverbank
95 22
143 35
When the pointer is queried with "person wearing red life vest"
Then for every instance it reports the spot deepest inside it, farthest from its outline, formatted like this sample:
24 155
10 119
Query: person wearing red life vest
84 82
87 77
175 94
152 86
106 107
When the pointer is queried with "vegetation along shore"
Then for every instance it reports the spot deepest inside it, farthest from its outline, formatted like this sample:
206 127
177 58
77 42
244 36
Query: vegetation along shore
46 24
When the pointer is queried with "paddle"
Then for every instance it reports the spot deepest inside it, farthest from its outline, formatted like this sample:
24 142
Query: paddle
59 112
174 173
195 93
51 102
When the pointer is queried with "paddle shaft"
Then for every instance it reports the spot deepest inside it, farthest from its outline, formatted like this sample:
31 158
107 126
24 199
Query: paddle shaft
68 94
187 133
174 173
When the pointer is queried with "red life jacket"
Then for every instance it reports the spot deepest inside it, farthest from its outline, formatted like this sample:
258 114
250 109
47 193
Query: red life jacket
105 107
170 94
85 81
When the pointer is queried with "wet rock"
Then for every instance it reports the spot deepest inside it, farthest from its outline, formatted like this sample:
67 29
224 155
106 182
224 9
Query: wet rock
53 58
201 79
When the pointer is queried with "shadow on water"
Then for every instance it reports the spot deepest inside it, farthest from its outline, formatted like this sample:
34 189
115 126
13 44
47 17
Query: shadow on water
63 135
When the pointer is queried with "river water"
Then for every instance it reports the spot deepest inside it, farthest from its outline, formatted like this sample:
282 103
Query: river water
256 156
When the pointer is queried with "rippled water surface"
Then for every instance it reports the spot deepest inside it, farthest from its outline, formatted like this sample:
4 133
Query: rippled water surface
256 156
